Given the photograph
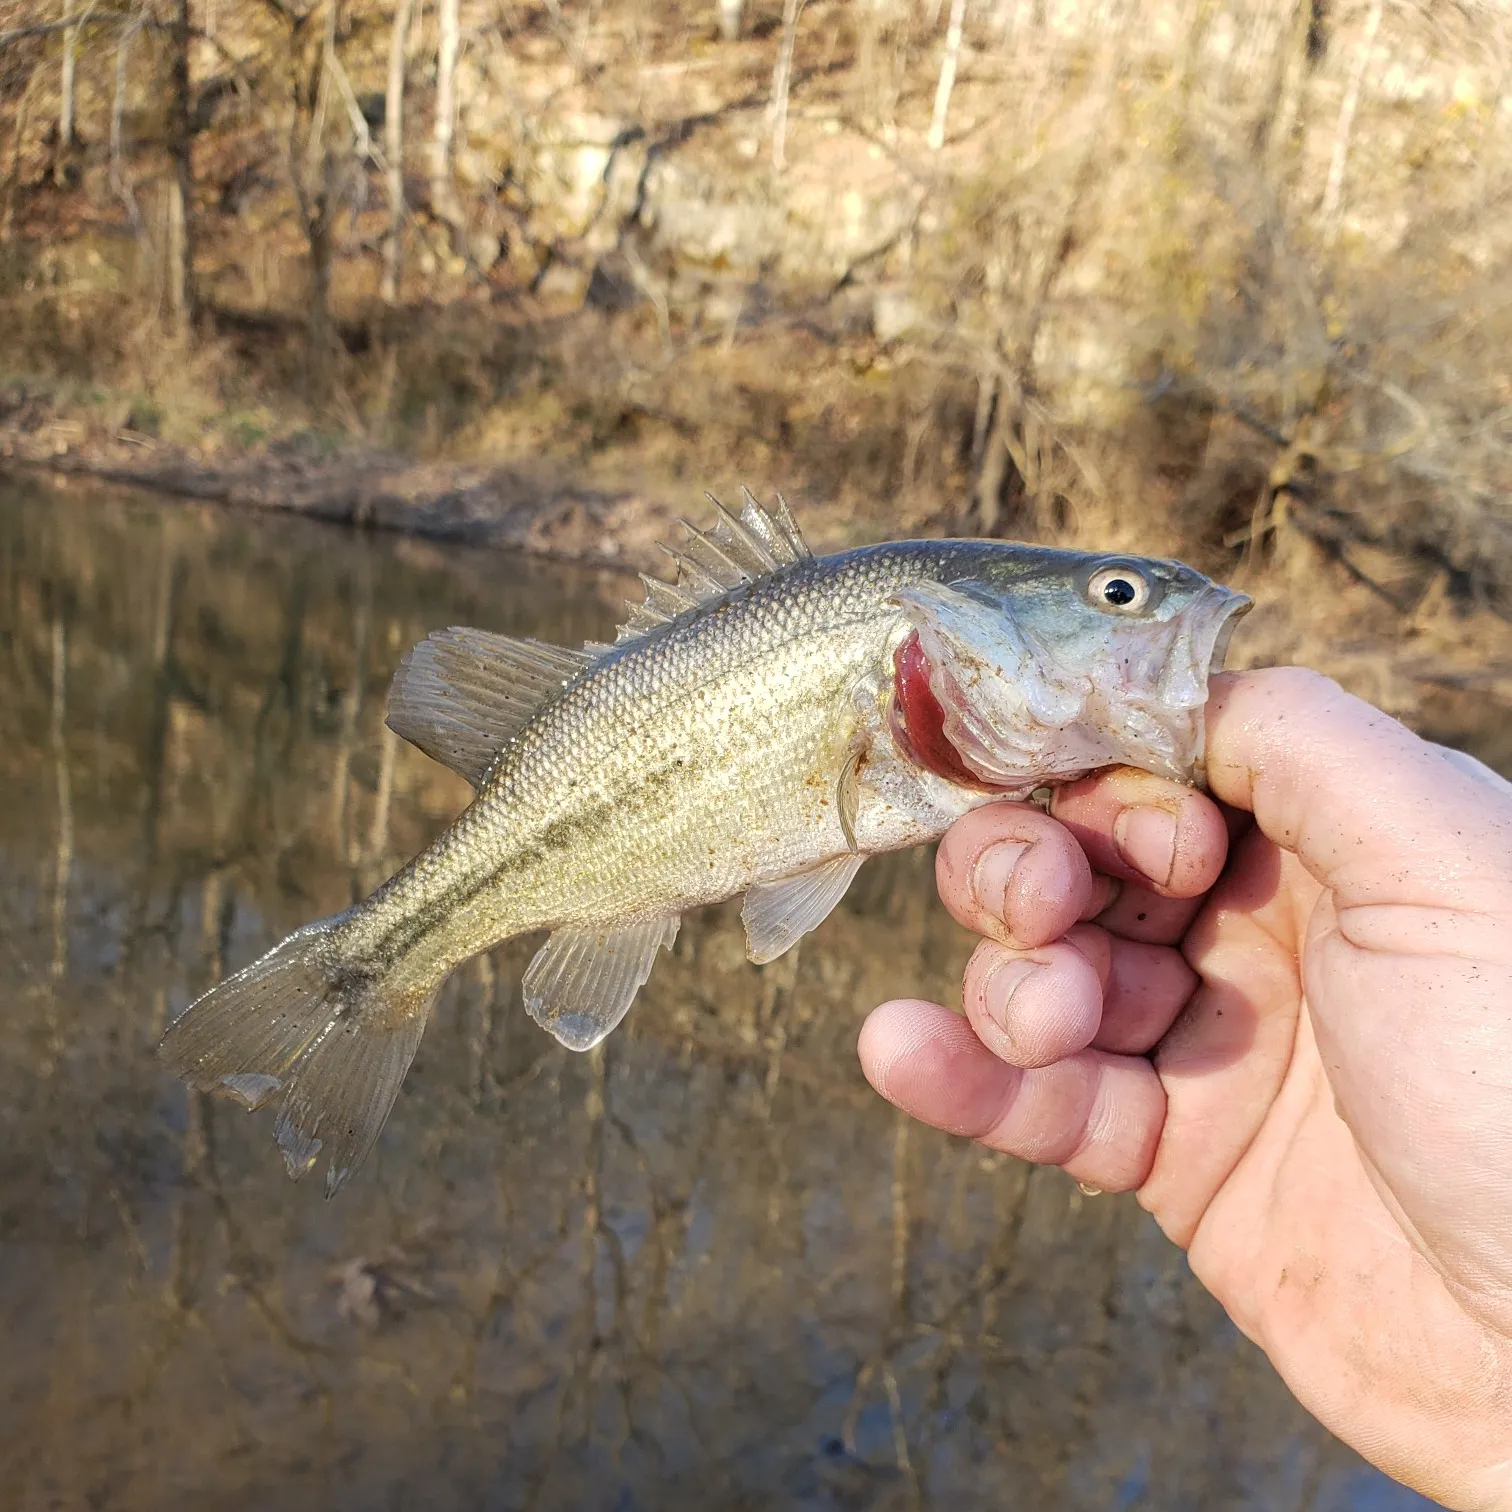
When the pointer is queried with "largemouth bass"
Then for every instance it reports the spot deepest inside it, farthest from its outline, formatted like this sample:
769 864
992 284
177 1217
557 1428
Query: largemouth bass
761 727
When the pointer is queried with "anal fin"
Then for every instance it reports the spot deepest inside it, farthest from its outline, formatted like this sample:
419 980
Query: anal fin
778 914
582 981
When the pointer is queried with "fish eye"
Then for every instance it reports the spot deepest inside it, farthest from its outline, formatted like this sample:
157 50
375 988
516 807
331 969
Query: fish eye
1120 590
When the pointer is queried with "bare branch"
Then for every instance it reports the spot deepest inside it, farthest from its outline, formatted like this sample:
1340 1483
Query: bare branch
47 28
947 74
1328 211
782 80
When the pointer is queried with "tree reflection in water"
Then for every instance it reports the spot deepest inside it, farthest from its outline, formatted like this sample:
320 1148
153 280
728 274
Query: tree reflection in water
702 1266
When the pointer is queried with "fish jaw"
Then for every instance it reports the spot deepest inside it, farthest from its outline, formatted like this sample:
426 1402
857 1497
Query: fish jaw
987 696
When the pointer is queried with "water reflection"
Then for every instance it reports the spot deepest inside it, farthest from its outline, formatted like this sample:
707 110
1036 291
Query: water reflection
701 1267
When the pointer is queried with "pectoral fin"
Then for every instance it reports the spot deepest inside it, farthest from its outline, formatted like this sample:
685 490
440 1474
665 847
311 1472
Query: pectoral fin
582 981
778 914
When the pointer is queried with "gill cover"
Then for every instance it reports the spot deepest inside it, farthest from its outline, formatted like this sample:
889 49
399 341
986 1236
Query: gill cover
1011 712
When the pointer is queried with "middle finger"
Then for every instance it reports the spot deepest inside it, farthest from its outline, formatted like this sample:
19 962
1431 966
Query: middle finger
1034 1007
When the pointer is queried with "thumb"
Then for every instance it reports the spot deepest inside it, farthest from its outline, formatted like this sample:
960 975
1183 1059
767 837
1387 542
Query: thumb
1398 829
1407 952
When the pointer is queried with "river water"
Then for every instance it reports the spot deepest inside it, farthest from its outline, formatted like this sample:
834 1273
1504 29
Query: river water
702 1267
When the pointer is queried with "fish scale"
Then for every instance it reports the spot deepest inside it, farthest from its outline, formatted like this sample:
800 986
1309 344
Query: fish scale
744 735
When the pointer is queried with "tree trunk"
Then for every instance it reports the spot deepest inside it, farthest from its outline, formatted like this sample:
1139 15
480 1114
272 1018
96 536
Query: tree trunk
730 19
393 149
1333 190
947 74
782 82
443 191
322 335
182 295
63 162
13 173
119 180
314 174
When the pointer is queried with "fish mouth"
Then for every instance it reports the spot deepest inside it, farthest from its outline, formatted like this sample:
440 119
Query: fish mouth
1216 616
1230 607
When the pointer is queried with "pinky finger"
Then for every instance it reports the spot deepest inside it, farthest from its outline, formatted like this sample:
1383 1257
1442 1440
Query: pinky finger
1095 1114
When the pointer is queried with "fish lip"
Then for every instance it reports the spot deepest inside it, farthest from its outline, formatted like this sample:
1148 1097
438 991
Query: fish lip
1232 606
1220 610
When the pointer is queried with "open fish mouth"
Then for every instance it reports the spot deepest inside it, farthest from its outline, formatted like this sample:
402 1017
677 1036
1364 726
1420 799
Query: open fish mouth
1201 647
1229 608
1216 616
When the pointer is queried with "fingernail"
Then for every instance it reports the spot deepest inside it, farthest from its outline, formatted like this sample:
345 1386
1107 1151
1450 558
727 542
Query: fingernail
1000 987
993 873
1146 839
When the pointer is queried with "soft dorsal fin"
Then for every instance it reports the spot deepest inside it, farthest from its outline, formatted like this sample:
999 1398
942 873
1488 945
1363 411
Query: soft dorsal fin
462 695
734 550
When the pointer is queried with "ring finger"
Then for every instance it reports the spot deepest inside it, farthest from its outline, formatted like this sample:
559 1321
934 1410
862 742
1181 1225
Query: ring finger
1035 1007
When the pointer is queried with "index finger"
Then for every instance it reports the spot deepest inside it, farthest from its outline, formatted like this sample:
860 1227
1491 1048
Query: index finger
1146 830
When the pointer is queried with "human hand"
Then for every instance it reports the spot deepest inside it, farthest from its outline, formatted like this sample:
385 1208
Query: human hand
1292 1037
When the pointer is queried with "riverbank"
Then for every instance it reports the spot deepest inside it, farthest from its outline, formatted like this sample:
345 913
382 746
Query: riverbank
571 462
1443 665
1221 282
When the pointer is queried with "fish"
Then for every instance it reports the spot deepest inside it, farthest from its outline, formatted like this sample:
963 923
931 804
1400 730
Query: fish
761 726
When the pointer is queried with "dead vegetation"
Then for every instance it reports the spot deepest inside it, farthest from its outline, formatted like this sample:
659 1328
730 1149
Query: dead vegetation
1217 279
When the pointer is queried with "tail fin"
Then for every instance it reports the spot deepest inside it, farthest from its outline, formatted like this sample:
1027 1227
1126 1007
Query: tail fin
326 1036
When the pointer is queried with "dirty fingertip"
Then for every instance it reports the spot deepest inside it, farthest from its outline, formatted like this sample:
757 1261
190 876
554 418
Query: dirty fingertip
1146 839
992 876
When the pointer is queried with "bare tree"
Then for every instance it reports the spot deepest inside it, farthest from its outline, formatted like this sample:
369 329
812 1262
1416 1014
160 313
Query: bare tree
393 148
443 190
947 74
119 181
18 142
782 82
318 200
316 162
730 19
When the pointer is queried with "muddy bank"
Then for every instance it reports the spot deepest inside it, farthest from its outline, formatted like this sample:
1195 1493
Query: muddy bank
595 510
502 507
1440 662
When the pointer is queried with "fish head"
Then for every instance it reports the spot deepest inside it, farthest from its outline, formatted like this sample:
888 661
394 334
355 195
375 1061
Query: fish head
1035 667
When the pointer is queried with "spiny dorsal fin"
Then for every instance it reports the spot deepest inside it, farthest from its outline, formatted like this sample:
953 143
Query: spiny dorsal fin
463 695
734 550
